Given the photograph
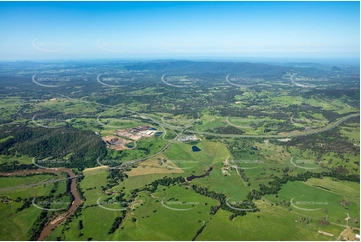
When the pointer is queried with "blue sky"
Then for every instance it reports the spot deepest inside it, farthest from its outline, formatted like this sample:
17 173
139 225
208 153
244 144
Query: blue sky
121 30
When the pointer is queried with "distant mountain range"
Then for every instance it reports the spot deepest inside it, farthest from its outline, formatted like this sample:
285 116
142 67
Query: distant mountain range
190 67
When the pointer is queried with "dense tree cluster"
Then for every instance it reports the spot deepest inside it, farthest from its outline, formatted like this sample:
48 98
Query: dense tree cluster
199 231
165 181
276 184
246 205
226 130
38 225
41 143
116 223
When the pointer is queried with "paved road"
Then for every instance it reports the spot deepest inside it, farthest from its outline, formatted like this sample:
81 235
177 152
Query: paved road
162 125
38 171
35 184
330 126
314 131
297 84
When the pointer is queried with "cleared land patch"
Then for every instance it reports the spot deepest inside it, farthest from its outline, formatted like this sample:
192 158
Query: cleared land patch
152 166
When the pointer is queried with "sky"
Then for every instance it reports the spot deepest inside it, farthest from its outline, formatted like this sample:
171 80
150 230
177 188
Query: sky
171 30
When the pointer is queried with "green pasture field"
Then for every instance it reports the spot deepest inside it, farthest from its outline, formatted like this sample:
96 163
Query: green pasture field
9 107
114 124
93 182
232 186
257 164
314 199
211 153
111 111
350 190
209 122
301 120
96 224
330 160
169 135
336 105
22 159
17 225
137 182
309 197
178 120
245 122
29 191
163 223
6 138
14 181
288 100
352 132
107 126
154 145
86 124
69 106
96 220
61 187
271 223
150 91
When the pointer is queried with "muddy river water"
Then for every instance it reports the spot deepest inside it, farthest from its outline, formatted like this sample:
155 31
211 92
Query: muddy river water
51 225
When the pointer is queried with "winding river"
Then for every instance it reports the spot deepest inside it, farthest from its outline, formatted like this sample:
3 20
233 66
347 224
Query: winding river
51 225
